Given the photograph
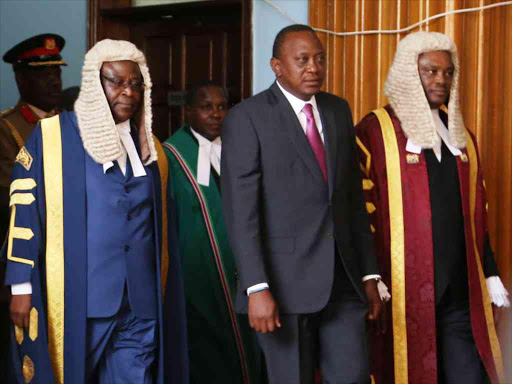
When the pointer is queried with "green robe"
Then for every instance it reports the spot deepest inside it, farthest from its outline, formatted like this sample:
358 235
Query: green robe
222 346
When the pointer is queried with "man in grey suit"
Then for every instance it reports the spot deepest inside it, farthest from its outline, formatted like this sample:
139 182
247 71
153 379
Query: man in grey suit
297 222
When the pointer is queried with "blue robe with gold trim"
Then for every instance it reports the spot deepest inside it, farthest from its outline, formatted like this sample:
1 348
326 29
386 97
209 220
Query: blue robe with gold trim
54 348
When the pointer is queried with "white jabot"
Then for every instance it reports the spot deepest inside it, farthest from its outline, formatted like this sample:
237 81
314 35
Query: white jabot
443 133
128 144
208 156
297 106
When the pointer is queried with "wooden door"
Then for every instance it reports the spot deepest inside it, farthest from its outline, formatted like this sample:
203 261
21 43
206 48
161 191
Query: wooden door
185 44
180 57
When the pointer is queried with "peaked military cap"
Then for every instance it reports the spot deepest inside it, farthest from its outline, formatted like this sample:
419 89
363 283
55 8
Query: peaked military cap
37 51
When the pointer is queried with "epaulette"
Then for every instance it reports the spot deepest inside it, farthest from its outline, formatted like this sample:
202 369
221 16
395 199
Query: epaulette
7 111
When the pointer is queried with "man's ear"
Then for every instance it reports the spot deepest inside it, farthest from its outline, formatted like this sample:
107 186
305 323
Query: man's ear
275 64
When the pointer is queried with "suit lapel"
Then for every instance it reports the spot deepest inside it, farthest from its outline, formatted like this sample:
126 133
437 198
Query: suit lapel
288 119
330 139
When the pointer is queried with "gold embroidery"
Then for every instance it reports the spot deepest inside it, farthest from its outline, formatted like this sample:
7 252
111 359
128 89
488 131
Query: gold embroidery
22 185
33 325
366 167
396 222
41 63
28 369
412 158
367 184
52 163
17 232
49 43
18 334
464 158
370 207
164 176
24 158
493 337
21 199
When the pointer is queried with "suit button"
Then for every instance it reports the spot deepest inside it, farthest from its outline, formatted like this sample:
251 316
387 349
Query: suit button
126 248
129 217
126 189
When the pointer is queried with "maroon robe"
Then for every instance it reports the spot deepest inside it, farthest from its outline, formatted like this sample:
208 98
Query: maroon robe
396 188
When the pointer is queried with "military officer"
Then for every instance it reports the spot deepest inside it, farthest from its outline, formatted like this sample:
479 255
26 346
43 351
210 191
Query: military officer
36 63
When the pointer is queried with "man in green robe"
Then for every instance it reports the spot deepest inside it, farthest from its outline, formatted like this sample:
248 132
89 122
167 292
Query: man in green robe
222 347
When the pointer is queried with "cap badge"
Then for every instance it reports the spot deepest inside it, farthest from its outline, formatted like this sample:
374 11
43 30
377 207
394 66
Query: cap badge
49 43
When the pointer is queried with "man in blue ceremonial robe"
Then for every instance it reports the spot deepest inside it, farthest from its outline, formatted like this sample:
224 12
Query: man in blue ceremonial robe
91 253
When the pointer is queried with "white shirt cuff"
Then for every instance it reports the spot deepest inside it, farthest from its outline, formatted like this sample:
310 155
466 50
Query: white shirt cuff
369 277
22 289
257 288
383 290
497 292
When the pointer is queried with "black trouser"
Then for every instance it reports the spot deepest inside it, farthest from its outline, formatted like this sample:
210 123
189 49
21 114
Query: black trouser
333 339
457 357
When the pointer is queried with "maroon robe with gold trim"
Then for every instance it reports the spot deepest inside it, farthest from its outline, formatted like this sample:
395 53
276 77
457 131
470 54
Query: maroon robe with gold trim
396 188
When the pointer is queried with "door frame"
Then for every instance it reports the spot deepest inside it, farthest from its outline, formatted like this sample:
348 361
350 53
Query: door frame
110 19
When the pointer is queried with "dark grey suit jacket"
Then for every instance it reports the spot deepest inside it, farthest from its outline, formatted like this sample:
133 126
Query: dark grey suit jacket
283 220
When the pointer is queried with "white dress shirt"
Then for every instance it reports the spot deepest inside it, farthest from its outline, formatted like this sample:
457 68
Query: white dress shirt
297 106
208 156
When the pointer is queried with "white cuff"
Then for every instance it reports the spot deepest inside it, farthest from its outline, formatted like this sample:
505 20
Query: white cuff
497 292
369 277
22 289
383 291
257 288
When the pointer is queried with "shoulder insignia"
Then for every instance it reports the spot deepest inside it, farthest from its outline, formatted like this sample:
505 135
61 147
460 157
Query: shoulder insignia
6 111
28 114
24 158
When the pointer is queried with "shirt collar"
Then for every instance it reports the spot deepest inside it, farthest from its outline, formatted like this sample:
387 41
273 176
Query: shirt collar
296 103
203 141
40 113
443 133
124 126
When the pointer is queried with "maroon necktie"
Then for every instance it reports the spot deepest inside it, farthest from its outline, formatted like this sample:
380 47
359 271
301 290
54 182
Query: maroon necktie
314 139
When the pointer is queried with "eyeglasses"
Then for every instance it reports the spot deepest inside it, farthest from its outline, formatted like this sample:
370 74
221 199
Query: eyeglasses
136 86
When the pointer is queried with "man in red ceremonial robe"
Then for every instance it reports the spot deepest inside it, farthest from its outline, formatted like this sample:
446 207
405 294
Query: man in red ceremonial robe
425 193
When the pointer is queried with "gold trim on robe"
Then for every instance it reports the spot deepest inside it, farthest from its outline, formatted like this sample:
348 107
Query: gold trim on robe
163 167
52 162
489 317
397 245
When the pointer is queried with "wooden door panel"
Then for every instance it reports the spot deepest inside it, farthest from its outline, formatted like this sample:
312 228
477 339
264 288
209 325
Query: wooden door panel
186 44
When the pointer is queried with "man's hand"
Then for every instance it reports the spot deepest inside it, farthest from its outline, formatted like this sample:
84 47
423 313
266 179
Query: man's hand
497 312
263 312
376 308
20 310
